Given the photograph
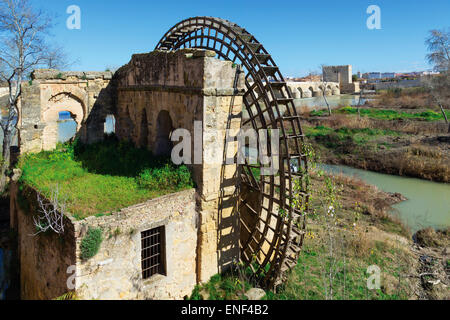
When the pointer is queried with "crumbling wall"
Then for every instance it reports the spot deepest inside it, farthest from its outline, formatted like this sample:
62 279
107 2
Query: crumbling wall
87 95
51 264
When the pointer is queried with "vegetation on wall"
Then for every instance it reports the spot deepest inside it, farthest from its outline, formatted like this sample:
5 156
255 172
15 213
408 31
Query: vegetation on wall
91 243
102 178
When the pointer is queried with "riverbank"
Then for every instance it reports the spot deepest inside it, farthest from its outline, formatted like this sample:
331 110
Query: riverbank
340 246
393 144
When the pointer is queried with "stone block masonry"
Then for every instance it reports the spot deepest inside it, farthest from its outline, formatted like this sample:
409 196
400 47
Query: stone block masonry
115 272
162 91
150 97
86 95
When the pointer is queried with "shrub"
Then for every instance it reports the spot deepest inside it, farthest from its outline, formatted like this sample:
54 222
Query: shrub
428 238
91 243
165 178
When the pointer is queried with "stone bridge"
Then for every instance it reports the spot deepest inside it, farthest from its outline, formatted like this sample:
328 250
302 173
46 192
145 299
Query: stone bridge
311 89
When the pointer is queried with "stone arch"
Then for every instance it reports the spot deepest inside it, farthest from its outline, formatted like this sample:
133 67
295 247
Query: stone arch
143 134
336 90
301 92
63 101
164 128
295 93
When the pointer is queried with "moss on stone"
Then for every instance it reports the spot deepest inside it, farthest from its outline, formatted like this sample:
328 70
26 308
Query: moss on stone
91 243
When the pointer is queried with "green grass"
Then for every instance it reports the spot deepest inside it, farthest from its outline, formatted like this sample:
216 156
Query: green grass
358 136
221 287
383 114
306 281
102 178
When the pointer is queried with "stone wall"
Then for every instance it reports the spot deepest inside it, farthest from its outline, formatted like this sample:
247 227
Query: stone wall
188 86
398 84
86 95
115 272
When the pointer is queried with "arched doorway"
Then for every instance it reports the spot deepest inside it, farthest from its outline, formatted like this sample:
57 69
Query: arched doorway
67 126
143 135
63 116
164 128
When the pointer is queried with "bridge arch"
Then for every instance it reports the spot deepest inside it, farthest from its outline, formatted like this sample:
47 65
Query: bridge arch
269 104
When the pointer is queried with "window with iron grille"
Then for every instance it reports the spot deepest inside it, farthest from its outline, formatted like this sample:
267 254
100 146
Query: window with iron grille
153 257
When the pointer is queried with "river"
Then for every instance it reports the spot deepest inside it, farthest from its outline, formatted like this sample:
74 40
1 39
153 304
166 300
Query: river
428 203
334 101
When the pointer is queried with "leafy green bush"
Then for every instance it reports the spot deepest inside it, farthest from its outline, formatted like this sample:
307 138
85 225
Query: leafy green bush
91 243
165 177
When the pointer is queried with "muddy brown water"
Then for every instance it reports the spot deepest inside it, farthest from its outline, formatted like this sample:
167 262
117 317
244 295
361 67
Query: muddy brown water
428 203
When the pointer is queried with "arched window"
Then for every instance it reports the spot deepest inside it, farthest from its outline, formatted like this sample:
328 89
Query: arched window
110 124
164 128
67 126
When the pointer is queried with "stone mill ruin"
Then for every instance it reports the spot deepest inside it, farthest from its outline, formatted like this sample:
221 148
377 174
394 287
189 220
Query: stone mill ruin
204 70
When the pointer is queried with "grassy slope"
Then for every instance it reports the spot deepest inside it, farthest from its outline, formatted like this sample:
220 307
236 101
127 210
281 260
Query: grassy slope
370 144
374 241
388 114
102 178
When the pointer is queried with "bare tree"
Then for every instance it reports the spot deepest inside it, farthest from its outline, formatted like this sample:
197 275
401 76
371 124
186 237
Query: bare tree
362 87
439 86
23 47
51 213
438 43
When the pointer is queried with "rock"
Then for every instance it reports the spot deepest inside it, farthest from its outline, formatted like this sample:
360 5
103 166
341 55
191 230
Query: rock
16 175
397 197
204 294
446 251
255 294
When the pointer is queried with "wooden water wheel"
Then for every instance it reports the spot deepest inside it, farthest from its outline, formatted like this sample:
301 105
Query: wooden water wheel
272 224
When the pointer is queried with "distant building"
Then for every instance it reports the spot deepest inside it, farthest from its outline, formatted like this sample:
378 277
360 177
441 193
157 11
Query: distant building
388 75
373 75
341 74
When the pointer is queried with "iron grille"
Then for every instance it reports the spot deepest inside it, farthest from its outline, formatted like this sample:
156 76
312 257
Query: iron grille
152 252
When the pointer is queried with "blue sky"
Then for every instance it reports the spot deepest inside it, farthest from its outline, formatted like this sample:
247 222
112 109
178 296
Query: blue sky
300 35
